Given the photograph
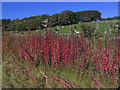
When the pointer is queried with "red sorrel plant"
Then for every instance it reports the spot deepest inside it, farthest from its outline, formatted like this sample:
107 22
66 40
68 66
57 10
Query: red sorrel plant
96 81
58 51
63 81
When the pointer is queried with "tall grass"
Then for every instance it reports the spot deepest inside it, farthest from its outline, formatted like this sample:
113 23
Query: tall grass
59 52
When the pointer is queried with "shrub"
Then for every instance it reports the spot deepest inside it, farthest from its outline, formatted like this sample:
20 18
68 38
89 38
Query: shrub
88 31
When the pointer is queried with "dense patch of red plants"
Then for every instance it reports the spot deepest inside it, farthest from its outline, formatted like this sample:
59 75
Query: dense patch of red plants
57 50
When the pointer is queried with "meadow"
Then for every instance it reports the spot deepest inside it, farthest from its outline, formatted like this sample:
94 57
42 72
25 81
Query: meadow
100 27
56 58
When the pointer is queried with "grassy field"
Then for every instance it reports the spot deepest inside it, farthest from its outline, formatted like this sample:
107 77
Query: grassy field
102 27
53 60
25 75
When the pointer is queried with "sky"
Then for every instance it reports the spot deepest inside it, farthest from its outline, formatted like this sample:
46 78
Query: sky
13 10
60 0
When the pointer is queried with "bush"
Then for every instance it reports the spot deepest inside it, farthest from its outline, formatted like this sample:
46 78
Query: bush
87 30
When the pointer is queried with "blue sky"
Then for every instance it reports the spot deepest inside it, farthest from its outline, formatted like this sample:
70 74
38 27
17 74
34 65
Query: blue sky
21 10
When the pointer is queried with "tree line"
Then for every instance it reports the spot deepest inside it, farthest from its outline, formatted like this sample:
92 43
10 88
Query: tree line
111 18
42 21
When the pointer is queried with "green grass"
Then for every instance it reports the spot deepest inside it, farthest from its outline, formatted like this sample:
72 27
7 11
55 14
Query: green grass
16 76
103 26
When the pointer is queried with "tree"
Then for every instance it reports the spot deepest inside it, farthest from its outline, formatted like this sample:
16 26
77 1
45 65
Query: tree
13 24
45 19
90 15
53 20
112 18
42 21
5 24
34 22
87 30
85 19
20 26
67 17
5 21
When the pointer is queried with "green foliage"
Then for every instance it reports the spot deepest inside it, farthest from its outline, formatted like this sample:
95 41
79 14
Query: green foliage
85 19
13 25
53 20
67 17
33 23
42 21
111 18
91 15
88 31
5 24
5 21
20 26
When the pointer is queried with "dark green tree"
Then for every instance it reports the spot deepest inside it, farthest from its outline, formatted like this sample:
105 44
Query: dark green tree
53 20
88 31
85 19
67 17
13 24
90 15
5 24
5 21
33 23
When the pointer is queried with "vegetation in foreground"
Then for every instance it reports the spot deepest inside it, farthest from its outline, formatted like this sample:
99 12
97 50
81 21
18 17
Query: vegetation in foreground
56 61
